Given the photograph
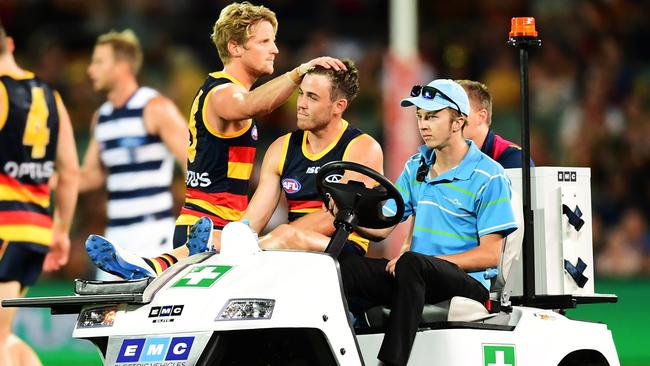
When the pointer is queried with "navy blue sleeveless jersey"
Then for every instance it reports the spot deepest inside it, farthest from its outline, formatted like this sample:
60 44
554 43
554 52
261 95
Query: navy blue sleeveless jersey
29 130
298 168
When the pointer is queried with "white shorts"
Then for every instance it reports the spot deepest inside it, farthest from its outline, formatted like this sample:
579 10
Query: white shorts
146 239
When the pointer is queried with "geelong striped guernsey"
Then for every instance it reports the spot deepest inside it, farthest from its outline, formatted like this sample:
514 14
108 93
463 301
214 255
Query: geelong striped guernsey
298 168
31 118
139 164
219 164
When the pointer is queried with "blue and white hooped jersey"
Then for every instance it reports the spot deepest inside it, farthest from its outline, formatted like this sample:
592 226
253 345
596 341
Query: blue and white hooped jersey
140 166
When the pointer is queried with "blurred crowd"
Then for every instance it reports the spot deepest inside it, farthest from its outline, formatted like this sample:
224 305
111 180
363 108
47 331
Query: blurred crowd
590 82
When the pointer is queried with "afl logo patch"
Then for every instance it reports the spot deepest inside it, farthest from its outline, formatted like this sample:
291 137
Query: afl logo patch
291 185
254 132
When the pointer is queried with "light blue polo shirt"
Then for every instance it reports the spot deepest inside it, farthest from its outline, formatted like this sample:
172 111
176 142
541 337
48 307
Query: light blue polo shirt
453 210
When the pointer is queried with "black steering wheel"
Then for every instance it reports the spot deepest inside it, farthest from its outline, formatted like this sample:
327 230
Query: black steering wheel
354 197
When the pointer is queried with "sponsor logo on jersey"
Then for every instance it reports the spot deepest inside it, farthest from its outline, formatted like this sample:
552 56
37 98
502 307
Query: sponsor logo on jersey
149 351
291 185
312 170
32 170
195 179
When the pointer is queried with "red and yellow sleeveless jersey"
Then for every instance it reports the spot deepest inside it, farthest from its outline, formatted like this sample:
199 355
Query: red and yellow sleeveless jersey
219 165
29 129
298 168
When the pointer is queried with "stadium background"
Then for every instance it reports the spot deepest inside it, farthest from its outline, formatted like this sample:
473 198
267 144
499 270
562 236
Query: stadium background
590 84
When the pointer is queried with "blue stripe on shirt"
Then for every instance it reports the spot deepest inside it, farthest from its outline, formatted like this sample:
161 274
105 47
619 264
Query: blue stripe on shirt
137 193
121 113
137 167
140 218
130 142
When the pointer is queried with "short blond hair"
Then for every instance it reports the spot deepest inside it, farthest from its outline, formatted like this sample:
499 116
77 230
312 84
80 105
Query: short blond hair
478 93
125 46
235 23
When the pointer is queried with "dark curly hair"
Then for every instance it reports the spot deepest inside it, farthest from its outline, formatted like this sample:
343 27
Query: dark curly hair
345 83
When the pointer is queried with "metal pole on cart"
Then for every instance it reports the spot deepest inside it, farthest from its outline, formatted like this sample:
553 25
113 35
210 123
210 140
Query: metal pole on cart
523 36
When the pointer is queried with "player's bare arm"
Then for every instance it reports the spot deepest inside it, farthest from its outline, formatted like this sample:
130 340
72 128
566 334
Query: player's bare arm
93 173
366 151
243 104
162 117
375 234
67 167
267 195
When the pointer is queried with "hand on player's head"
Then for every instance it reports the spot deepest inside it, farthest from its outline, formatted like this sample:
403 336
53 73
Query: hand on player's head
325 61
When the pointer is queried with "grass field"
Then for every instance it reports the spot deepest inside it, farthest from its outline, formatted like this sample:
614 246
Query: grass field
629 319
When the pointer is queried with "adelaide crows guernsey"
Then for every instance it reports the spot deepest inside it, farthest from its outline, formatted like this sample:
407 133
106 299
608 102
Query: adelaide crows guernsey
298 168
219 164
29 130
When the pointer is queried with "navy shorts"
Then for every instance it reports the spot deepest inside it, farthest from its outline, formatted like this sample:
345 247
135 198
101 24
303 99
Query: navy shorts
181 233
21 261
351 249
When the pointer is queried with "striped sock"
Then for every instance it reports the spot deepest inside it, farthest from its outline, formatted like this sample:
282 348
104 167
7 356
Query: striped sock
160 264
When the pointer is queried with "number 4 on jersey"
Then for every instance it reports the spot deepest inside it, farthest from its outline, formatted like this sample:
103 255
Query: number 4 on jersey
37 135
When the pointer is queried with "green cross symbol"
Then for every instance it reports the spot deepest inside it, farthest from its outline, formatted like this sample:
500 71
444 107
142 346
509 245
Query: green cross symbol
202 276
499 355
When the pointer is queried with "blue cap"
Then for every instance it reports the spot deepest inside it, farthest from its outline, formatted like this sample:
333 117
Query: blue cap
450 88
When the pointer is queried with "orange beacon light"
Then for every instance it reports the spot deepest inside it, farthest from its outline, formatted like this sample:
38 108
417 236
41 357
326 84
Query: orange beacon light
522 27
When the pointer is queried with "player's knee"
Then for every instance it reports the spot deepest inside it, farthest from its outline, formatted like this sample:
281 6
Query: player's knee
7 339
5 330
283 234
283 231
296 236
24 355
4 338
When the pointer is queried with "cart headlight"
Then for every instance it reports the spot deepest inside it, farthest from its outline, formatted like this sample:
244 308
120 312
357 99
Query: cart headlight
247 309
97 317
